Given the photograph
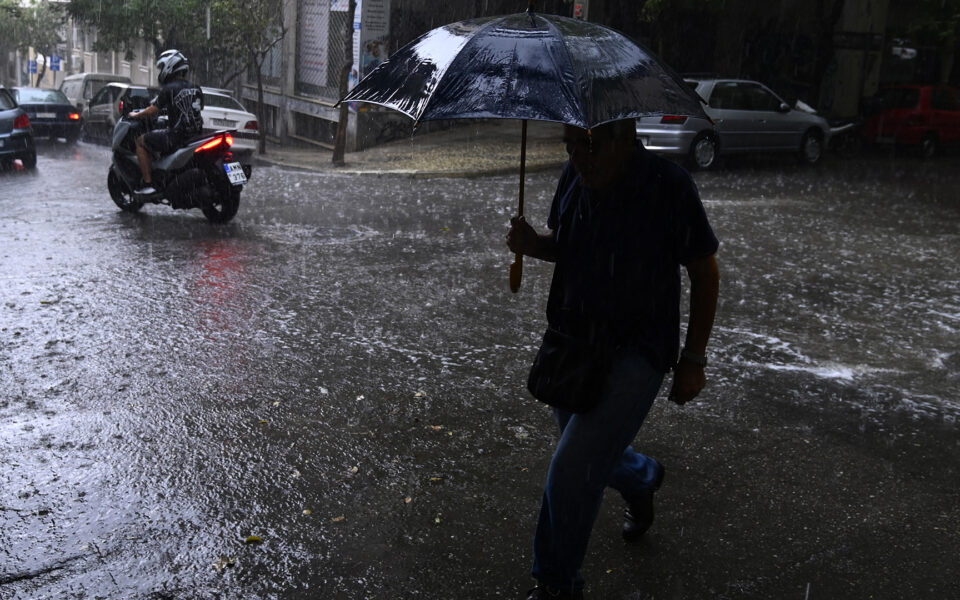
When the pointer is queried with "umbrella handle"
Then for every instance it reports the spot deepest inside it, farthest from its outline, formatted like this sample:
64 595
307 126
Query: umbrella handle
516 269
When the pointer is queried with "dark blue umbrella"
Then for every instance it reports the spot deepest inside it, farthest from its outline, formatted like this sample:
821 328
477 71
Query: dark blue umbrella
526 66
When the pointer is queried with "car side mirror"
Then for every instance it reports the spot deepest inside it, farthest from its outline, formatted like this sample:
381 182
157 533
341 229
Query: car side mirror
784 107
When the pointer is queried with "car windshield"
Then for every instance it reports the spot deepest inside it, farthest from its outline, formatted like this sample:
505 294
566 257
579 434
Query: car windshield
900 98
25 96
211 100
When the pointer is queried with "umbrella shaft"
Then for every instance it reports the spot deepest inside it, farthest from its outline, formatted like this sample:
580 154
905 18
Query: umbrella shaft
523 164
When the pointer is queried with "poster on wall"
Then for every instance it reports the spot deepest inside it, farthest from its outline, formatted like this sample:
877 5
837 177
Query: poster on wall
374 34
313 40
371 39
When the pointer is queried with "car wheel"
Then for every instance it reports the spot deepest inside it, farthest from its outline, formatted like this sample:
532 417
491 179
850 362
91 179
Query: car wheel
811 147
929 146
704 151
29 160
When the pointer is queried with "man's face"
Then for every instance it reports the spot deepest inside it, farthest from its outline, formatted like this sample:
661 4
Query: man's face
597 158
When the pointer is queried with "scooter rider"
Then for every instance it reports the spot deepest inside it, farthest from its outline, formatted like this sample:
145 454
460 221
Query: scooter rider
183 101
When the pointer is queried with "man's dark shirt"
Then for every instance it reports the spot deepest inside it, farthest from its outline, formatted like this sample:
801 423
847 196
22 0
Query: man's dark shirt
183 101
619 256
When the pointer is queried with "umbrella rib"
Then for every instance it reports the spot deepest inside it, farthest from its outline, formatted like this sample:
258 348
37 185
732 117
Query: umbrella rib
578 90
449 68
664 68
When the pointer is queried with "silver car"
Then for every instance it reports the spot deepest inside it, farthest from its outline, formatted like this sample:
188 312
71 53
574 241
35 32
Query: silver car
748 117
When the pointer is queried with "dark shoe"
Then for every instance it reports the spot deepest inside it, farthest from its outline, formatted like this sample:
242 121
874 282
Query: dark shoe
545 592
639 514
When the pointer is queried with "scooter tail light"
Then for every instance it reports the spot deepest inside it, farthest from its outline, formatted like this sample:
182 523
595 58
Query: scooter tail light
228 139
74 116
210 145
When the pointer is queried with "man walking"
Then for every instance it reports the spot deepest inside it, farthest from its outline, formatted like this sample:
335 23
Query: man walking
622 223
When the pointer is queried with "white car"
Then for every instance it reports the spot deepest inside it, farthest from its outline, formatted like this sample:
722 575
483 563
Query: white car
222 111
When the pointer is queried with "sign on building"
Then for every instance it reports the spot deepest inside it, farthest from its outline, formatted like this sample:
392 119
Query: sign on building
373 25
313 41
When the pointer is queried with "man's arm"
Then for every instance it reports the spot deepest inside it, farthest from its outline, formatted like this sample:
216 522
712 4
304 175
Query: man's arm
147 113
689 378
523 239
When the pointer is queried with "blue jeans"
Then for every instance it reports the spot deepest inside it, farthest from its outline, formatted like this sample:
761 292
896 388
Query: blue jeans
594 452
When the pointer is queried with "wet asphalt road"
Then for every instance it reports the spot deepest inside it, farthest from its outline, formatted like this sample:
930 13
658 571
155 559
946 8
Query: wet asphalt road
340 372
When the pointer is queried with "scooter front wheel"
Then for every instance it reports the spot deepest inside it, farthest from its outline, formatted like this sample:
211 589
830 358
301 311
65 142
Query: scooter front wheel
121 194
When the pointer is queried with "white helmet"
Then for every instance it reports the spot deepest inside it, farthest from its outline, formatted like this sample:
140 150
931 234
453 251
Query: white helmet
170 63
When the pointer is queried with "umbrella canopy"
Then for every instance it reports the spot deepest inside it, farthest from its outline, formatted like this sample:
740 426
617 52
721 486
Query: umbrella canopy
526 66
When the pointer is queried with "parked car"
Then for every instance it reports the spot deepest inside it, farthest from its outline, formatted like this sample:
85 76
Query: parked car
923 116
747 118
16 137
51 114
82 87
222 111
101 115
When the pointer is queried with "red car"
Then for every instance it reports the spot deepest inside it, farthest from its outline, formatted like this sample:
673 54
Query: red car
925 116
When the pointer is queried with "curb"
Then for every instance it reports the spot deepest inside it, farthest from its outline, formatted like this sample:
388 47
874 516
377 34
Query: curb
409 173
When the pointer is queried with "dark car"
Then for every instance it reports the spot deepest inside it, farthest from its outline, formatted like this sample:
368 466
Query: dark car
16 138
106 107
51 114
925 117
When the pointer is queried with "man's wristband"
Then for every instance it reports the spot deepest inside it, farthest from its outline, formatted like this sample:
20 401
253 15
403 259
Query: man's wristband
696 359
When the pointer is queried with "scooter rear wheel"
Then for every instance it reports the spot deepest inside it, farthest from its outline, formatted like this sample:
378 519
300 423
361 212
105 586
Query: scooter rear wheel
121 194
224 207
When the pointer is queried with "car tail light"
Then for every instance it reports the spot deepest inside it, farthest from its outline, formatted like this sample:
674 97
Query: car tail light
251 125
673 120
74 116
21 122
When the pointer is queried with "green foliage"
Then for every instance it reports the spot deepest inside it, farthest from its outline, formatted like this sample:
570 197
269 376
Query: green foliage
33 24
239 30
937 20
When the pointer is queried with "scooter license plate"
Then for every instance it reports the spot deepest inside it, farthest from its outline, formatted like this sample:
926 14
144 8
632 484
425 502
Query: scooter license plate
235 173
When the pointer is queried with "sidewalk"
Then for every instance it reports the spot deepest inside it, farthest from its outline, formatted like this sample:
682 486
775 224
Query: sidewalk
474 149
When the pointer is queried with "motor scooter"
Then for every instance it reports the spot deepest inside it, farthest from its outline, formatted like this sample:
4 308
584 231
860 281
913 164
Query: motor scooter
201 174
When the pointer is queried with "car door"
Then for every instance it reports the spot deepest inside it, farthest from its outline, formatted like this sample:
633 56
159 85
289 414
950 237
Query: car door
945 114
728 107
98 112
776 128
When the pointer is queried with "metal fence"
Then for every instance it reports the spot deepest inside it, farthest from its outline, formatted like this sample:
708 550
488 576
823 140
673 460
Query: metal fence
321 27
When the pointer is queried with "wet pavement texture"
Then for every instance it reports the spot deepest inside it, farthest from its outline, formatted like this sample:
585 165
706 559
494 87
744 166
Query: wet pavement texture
340 372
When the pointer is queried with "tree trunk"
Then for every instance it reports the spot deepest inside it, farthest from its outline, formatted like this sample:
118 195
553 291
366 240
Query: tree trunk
827 23
340 142
261 109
